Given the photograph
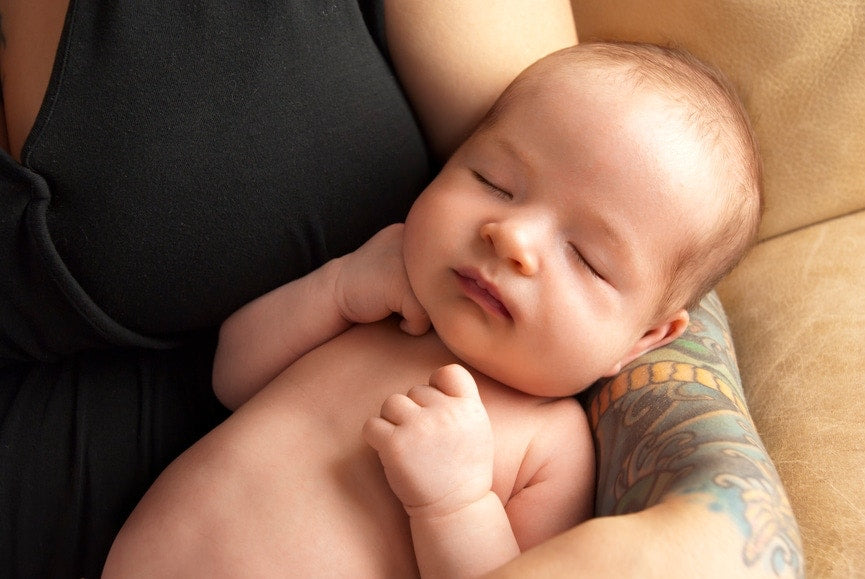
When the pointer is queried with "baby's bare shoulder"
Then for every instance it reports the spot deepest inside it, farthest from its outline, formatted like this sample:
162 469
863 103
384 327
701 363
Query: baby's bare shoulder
565 413
562 422
552 430
554 488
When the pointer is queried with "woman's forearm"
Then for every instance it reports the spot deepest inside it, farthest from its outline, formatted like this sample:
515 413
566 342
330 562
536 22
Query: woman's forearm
685 486
675 426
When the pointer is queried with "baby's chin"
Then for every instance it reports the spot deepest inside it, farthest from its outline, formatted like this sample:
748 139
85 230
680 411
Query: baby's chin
481 352
475 356
500 369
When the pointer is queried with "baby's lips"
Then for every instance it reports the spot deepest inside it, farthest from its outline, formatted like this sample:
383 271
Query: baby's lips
483 292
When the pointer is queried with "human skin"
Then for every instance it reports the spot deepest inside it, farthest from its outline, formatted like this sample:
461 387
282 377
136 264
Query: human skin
515 250
546 208
513 271
683 479
288 487
543 258
690 471
447 46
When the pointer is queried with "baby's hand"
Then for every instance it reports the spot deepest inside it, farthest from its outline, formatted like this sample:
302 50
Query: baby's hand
372 283
435 443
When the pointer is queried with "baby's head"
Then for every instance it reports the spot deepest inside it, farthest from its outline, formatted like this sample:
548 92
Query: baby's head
703 107
607 190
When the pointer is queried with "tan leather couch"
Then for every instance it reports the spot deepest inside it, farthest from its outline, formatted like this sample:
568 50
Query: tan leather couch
797 303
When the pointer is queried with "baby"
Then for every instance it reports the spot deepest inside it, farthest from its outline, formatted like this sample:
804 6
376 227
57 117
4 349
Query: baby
607 190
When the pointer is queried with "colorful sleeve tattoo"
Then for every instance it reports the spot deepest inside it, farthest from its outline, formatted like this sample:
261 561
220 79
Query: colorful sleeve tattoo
674 422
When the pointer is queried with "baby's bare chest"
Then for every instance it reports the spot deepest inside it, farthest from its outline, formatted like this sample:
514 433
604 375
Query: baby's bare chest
341 384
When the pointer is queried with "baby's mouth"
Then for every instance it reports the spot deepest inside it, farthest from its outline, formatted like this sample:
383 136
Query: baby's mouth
483 293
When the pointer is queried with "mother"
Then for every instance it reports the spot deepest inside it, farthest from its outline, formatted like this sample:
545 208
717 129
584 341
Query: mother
165 162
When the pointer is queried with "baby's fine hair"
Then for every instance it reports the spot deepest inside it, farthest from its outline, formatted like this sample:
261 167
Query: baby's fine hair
706 100
712 106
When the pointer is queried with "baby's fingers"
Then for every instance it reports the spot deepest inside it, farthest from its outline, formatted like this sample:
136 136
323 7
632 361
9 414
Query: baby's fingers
415 320
399 409
377 432
454 380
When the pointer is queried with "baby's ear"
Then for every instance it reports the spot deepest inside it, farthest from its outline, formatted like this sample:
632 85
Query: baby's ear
658 335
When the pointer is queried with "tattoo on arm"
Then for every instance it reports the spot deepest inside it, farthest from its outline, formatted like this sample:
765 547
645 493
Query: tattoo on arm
675 423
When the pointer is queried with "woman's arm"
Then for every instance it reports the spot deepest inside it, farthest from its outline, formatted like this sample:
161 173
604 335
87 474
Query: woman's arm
681 454
4 139
681 462
454 57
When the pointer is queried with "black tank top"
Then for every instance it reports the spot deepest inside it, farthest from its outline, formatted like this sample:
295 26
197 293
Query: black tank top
191 155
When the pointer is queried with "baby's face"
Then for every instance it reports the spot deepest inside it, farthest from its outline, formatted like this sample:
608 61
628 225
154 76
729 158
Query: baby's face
539 251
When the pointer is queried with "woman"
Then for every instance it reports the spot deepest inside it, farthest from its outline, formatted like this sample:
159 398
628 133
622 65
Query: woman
166 163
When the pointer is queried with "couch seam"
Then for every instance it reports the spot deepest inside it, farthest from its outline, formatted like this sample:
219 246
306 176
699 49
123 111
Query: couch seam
810 225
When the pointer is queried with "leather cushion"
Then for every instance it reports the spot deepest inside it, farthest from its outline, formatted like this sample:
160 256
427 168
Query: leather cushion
800 66
798 329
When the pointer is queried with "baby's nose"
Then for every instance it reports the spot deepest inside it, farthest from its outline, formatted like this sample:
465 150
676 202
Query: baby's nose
515 242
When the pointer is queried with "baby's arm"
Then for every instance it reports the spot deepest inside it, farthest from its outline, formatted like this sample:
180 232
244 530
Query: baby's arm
266 335
560 466
436 445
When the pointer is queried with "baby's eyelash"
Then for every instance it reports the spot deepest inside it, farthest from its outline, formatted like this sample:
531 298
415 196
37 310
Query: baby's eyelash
585 263
498 191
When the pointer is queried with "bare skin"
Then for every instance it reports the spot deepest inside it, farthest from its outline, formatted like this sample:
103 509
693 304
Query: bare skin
32 32
267 479
683 477
709 527
416 31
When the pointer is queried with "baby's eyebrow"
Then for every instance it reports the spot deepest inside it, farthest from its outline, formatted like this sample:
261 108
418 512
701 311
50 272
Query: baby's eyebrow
511 150
617 245
614 234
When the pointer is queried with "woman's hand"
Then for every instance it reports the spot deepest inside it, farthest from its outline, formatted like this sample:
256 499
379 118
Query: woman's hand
372 284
